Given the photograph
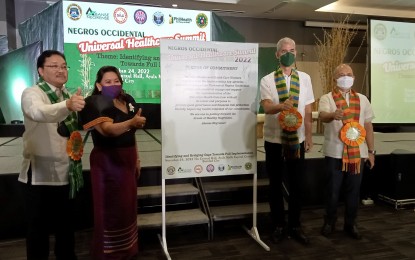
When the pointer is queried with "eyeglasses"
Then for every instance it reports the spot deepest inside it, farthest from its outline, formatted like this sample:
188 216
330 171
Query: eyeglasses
56 67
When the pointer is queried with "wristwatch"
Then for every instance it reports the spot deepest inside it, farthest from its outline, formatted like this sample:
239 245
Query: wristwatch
372 152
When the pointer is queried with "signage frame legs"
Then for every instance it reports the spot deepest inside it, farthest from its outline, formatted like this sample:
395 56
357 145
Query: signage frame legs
162 239
253 232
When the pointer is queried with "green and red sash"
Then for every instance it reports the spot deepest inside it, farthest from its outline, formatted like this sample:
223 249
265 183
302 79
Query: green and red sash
352 133
74 146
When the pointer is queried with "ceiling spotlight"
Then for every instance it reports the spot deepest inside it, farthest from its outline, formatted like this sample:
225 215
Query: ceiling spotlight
227 11
221 1
278 6
132 3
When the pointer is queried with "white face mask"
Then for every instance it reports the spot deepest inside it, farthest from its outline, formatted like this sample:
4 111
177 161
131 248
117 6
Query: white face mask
345 82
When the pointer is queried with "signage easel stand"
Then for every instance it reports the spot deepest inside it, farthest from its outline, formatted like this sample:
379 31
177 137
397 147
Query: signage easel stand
253 232
163 216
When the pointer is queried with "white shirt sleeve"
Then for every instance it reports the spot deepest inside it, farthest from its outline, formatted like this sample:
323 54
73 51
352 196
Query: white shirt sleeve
307 85
265 88
37 107
368 111
324 103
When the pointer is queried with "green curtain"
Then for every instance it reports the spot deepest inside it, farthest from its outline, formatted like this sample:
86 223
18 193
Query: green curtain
223 32
4 44
2 120
267 63
46 26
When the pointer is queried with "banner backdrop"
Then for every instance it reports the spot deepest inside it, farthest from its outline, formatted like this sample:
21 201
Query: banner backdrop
208 108
127 37
392 71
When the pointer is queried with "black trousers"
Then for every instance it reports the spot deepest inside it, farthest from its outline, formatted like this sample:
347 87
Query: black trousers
49 210
293 179
366 188
337 181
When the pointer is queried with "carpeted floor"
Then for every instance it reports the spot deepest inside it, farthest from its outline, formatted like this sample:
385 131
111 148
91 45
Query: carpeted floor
387 234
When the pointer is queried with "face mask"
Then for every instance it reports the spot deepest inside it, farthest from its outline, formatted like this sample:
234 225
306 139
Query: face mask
287 59
345 82
111 91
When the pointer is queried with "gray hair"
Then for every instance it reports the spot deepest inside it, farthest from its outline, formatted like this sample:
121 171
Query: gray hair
336 70
285 40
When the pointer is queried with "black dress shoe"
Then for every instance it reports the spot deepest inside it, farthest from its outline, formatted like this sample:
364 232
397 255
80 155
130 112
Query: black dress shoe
352 231
278 235
327 229
298 234
329 226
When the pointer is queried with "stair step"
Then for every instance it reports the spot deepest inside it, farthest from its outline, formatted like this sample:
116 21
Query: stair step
183 189
217 186
173 218
237 211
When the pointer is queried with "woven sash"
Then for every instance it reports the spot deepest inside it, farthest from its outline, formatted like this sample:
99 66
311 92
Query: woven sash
75 167
289 139
351 154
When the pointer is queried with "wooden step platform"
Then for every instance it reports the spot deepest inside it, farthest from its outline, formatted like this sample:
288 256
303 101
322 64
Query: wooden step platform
183 189
173 218
237 211
217 186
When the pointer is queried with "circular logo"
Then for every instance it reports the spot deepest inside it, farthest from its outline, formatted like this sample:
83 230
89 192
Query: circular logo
380 31
171 170
158 18
140 16
248 166
198 169
120 15
201 20
221 167
210 168
74 12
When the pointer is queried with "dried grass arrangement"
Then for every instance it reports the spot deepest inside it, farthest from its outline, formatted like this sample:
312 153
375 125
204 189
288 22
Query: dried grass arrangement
332 49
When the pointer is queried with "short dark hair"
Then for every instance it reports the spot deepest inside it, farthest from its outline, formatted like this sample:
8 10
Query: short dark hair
46 54
105 69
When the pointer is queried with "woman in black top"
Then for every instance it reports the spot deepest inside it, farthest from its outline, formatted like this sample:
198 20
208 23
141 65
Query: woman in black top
113 117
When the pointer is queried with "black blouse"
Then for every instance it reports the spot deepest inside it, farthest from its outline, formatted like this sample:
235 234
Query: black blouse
98 109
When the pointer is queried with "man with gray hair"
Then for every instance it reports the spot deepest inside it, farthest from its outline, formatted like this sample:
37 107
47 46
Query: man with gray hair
287 98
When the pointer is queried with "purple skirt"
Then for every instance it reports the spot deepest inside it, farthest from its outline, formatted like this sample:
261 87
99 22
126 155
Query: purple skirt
114 188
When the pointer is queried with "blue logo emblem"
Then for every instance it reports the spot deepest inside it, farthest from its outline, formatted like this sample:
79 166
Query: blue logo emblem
158 18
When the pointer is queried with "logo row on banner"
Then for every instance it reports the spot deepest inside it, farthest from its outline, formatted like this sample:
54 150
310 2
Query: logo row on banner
210 168
140 16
